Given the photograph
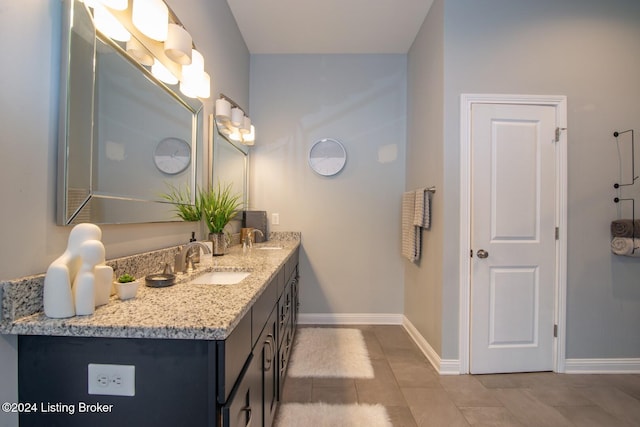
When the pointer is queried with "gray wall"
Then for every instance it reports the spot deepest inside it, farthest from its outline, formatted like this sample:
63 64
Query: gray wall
28 119
588 51
424 167
350 223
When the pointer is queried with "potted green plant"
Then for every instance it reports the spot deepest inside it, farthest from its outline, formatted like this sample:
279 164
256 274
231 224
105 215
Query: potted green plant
218 206
186 209
126 286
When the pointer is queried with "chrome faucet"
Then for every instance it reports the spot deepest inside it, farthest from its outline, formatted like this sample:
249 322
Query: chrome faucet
250 238
183 258
256 230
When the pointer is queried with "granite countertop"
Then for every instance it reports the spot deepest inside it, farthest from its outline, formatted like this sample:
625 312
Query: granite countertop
181 311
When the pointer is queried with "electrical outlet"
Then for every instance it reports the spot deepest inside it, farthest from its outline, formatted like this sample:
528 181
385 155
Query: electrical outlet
275 219
112 380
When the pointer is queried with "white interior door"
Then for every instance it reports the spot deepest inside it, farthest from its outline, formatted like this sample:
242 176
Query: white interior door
513 237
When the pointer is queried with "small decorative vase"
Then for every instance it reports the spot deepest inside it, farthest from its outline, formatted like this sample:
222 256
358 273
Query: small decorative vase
219 241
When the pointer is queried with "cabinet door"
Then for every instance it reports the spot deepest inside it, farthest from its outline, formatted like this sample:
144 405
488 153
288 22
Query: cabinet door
270 370
244 407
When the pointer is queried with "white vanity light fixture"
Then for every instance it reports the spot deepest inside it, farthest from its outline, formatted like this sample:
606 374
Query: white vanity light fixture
235 135
223 110
237 117
151 22
204 86
108 24
250 138
245 128
162 73
233 122
151 17
178 46
194 81
140 53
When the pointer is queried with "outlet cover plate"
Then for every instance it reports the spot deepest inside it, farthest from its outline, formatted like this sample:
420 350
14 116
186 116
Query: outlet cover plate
112 380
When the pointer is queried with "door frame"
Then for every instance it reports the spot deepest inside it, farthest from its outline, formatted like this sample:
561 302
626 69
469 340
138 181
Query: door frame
560 104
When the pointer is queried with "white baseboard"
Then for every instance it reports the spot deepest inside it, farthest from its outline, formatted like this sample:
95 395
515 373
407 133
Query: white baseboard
350 319
602 366
443 366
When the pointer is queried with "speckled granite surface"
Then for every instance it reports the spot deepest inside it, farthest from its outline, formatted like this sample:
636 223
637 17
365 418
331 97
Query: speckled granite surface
182 311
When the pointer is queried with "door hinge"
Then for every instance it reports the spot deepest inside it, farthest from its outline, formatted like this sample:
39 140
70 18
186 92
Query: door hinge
557 139
555 331
557 233
471 253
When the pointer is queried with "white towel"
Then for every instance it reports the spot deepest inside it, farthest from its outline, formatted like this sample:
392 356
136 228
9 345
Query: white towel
625 246
422 210
410 233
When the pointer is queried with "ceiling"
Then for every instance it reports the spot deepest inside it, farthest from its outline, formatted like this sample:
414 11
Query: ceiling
329 26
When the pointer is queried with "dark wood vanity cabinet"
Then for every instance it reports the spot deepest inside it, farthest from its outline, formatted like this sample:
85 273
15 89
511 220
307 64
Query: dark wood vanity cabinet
274 319
236 382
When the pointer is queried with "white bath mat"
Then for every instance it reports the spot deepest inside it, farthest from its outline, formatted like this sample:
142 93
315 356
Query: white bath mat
330 353
326 415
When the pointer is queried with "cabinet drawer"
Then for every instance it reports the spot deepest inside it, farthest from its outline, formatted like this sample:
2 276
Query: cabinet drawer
232 356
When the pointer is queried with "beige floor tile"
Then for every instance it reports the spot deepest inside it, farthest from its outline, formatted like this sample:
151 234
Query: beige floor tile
494 417
461 382
471 398
629 384
529 410
416 395
560 396
333 382
297 390
433 407
344 395
401 416
591 416
373 345
615 402
393 337
414 374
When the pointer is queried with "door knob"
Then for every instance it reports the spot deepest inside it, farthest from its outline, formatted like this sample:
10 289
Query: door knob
482 253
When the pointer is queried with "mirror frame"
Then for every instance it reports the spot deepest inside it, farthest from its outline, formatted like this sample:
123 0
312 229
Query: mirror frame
131 209
216 138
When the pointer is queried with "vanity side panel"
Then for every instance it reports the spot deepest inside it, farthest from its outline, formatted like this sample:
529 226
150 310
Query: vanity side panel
171 381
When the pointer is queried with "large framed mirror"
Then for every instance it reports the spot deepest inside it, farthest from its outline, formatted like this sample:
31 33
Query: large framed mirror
125 137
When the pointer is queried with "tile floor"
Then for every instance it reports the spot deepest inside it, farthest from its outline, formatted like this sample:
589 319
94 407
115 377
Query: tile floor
415 395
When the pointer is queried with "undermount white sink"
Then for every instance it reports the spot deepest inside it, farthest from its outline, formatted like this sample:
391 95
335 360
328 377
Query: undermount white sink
220 278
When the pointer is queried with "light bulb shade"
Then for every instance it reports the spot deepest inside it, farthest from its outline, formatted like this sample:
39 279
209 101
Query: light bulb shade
194 79
250 138
235 136
137 51
237 117
151 17
115 4
162 73
223 110
245 128
178 44
204 88
108 24
196 65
